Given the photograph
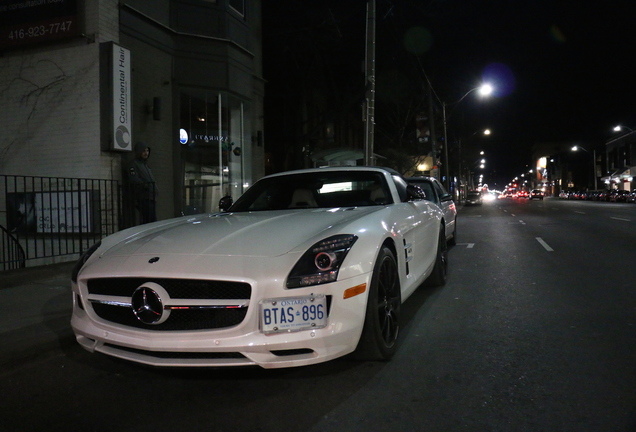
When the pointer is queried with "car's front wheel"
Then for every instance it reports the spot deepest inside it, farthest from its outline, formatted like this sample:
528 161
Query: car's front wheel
382 320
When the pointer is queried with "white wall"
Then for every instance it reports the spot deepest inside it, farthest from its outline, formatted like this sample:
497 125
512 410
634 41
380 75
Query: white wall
49 94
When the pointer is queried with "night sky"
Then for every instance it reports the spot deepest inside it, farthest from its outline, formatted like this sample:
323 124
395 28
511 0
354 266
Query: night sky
563 71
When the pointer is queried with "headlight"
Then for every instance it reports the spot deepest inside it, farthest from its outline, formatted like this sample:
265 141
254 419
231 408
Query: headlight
321 263
82 260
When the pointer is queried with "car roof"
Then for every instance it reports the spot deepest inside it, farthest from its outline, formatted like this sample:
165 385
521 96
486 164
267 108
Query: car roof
337 169
426 178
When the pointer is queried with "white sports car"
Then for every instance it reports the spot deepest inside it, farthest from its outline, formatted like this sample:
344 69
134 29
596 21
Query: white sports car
305 267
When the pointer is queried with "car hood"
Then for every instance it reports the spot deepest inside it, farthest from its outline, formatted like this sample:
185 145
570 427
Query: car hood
269 233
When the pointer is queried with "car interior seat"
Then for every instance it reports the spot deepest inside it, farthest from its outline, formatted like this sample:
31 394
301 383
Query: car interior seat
377 195
303 198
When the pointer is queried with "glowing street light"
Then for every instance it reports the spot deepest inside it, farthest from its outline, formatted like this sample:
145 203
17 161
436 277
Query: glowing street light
485 89
619 128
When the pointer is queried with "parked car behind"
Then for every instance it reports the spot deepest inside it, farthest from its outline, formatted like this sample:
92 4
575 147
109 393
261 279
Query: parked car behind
436 193
619 196
603 195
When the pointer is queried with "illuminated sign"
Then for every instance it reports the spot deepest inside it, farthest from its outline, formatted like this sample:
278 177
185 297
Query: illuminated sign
183 136
121 99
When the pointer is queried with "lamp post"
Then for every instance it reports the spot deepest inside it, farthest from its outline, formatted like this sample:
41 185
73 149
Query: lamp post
576 148
619 128
484 90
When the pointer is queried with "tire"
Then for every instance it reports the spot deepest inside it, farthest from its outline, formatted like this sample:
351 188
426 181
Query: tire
440 271
453 240
382 319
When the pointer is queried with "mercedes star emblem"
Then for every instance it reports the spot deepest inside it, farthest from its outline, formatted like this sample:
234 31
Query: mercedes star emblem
147 304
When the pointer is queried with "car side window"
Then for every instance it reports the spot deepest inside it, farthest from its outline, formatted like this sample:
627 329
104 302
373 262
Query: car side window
440 190
400 184
428 190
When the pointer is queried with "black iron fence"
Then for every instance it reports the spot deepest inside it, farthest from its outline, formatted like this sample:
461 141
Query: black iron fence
45 217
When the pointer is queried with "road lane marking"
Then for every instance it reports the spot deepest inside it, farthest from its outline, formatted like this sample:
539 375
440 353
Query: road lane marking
521 222
468 245
579 212
620 219
544 244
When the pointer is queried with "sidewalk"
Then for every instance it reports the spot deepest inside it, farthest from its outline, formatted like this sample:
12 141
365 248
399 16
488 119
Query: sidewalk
30 275
35 312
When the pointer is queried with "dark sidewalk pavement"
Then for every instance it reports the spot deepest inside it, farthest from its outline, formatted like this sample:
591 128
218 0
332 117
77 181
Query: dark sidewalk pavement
35 312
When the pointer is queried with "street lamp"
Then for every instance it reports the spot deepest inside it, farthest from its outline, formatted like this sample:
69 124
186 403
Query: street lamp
577 147
484 90
619 128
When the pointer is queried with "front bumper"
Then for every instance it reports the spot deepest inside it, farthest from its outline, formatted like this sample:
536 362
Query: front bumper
240 345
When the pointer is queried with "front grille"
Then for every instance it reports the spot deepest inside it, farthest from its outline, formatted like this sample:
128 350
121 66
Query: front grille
179 319
176 288
186 319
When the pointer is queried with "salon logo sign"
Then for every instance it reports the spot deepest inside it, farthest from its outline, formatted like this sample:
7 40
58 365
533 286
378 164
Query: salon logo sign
122 95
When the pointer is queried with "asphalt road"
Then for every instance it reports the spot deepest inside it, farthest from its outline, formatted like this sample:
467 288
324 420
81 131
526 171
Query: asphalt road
535 331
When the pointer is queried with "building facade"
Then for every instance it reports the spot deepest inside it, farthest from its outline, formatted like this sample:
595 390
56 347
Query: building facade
192 83
83 81
621 162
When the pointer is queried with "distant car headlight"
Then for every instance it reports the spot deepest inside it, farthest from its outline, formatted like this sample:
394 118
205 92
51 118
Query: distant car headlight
321 263
82 260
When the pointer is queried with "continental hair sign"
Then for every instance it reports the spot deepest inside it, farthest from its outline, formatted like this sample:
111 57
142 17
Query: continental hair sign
121 95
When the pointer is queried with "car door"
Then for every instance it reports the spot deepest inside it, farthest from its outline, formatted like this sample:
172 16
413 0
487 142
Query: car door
447 205
418 224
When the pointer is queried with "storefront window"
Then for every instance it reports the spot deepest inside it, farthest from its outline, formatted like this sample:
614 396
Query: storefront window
213 149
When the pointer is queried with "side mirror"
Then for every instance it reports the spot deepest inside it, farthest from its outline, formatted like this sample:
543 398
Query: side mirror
446 197
414 193
225 203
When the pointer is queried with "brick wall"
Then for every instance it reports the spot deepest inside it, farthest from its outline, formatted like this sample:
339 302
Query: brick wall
50 118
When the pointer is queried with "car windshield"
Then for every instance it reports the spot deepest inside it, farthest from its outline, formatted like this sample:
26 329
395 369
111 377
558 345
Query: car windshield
327 189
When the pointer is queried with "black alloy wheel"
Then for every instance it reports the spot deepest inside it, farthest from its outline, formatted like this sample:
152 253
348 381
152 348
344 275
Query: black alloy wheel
382 321
453 239
440 271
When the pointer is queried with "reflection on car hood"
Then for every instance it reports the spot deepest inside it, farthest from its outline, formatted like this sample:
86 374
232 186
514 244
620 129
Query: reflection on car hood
269 233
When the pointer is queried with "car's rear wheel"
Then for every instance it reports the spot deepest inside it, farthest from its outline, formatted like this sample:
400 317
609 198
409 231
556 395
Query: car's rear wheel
453 240
440 271
382 320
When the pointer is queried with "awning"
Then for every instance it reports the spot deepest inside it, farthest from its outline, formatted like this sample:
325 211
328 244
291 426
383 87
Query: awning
619 175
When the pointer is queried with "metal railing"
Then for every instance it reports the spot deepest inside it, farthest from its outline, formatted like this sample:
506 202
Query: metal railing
11 252
45 217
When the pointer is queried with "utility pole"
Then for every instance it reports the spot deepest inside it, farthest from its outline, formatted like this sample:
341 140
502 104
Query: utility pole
369 159
431 124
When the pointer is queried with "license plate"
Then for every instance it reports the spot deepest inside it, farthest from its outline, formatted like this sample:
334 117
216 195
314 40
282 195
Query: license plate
289 314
